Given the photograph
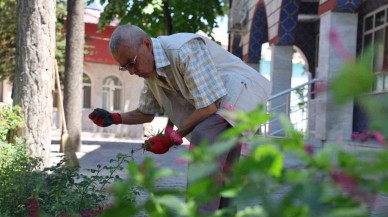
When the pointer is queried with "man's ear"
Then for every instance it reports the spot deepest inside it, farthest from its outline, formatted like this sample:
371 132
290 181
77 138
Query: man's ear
148 43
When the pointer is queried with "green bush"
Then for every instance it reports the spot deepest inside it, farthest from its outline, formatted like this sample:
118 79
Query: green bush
17 168
10 119
321 183
66 190
58 190
17 178
327 182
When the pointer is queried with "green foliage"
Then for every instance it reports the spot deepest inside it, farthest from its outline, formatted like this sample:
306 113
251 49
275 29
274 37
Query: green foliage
7 37
263 183
8 22
11 118
146 176
17 178
355 79
65 190
60 36
59 190
187 16
302 99
281 176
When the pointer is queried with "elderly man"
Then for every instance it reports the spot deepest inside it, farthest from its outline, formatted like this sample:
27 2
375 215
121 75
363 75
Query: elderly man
191 79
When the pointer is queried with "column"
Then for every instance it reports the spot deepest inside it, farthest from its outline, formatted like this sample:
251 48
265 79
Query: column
281 73
333 121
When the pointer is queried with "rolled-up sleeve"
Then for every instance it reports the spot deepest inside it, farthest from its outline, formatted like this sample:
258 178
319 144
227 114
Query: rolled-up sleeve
200 74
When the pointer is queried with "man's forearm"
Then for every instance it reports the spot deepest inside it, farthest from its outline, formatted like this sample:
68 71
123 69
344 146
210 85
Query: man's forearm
136 117
195 118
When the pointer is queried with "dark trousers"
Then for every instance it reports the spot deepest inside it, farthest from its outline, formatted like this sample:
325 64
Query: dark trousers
210 129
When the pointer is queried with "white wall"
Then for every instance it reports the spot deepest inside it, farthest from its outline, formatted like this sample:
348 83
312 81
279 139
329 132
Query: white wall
132 86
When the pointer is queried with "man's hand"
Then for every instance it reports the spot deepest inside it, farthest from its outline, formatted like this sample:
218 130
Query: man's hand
103 118
162 143
158 144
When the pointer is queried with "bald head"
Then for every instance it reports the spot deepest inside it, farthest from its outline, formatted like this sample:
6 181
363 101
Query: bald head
126 36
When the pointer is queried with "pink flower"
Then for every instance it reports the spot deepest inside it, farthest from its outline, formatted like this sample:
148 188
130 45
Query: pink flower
349 185
354 136
309 149
363 137
339 46
346 181
379 137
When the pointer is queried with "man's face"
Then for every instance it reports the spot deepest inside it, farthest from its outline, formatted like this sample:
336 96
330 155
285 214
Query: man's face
137 60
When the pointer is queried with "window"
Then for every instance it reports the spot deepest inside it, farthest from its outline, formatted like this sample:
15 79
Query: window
375 35
87 91
111 93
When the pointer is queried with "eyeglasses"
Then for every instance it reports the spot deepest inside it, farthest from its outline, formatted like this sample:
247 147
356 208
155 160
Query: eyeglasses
129 65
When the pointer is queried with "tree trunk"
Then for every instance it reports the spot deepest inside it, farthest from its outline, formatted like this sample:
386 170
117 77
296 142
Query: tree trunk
75 32
33 83
167 18
168 26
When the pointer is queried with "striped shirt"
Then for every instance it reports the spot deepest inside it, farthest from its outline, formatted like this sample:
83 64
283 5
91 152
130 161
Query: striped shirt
200 75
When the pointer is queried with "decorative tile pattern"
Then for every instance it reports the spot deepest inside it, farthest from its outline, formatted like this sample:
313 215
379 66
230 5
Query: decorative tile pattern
347 6
273 11
258 34
288 21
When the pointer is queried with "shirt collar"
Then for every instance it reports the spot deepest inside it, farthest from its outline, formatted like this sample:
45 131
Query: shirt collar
160 57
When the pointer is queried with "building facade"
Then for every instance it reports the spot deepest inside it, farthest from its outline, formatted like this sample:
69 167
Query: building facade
304 26
104 86
288 26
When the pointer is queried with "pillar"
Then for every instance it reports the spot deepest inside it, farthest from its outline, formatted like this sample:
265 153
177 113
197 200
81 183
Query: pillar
281 73
334 121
